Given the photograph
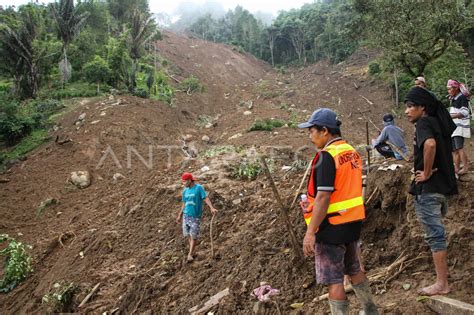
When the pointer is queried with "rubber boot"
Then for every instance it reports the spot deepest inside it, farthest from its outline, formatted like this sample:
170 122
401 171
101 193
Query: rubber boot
362 291
339 307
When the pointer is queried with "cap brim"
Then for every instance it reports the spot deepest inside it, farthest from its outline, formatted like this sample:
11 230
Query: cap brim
305 125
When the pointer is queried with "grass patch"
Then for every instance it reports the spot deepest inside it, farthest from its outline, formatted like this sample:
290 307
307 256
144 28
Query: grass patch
267 124
216 151
263 88
75 89
203 120
27 144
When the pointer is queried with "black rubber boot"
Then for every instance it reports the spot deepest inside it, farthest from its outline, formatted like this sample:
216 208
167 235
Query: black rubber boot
362 291
339 307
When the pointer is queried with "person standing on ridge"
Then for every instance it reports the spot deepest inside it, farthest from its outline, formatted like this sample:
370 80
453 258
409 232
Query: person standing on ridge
335 213
434 176
460 112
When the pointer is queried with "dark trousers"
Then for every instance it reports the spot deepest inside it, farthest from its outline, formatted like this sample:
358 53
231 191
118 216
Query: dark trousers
385 150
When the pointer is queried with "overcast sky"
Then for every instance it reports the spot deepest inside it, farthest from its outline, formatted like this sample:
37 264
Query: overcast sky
168 6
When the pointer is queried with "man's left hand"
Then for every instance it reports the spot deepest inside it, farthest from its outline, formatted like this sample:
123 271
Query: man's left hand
308 244
213 211
421 176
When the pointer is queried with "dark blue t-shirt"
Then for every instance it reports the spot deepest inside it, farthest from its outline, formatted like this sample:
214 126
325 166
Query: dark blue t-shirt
192 198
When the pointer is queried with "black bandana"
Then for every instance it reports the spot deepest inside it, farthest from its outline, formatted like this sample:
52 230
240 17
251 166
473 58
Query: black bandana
433 107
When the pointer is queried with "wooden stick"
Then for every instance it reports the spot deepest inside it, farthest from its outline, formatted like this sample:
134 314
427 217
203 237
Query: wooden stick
398 150
88 296
284 211
365 98
368 159
213 300
371 195
212 243
348 288
301 185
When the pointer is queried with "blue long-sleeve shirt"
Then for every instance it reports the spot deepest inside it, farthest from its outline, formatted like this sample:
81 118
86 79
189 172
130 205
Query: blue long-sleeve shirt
393 134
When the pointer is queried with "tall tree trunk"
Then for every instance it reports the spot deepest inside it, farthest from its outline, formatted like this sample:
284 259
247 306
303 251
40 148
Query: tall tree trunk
395 76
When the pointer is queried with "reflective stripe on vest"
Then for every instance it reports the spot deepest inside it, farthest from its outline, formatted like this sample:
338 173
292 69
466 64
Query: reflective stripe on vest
346 203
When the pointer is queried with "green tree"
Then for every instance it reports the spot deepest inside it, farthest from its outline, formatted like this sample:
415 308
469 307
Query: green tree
21 52
68 22
414 33
97 71
142 30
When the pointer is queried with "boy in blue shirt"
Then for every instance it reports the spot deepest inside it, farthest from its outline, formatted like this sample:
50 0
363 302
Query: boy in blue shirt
193 195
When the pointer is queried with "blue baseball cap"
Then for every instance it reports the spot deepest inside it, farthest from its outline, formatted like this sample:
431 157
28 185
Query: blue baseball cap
323 117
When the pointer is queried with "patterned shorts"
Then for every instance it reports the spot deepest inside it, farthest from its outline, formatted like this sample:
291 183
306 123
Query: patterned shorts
334 261
191 226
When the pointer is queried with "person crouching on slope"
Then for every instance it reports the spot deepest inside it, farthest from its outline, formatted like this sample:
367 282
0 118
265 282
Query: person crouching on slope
193 196
335 213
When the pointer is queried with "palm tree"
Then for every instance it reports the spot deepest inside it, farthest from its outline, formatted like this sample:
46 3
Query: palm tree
19 56
69 22
142 30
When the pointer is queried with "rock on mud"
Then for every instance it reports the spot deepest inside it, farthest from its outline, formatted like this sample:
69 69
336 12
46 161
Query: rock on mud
80 179
205 139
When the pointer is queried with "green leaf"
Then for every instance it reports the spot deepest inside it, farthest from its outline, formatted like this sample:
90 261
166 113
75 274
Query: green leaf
297 305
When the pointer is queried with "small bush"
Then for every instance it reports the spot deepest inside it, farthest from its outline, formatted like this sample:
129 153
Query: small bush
203 120
17 263
13 125
192 84
59 298
250 169
267 124
217 151
140 93
294 120
374 68
27 144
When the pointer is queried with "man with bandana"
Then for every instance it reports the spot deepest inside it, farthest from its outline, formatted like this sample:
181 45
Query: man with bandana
434 176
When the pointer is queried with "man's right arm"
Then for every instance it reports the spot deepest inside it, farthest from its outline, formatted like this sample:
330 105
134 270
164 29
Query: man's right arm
180 213
381 138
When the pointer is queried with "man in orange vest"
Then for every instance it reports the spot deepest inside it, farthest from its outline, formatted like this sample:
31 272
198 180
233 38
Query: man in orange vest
335 213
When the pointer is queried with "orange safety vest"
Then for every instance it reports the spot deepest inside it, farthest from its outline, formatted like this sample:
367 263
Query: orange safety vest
346 203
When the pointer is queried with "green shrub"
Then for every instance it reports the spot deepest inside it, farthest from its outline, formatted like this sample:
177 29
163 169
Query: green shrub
203 120
192 84
17 263
249 169
140 93
59 297
267 124
14 126
294 120
75 89
374 68
215 151
27 144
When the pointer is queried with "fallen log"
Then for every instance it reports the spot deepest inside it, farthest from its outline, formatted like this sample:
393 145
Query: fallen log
213 300
444 305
